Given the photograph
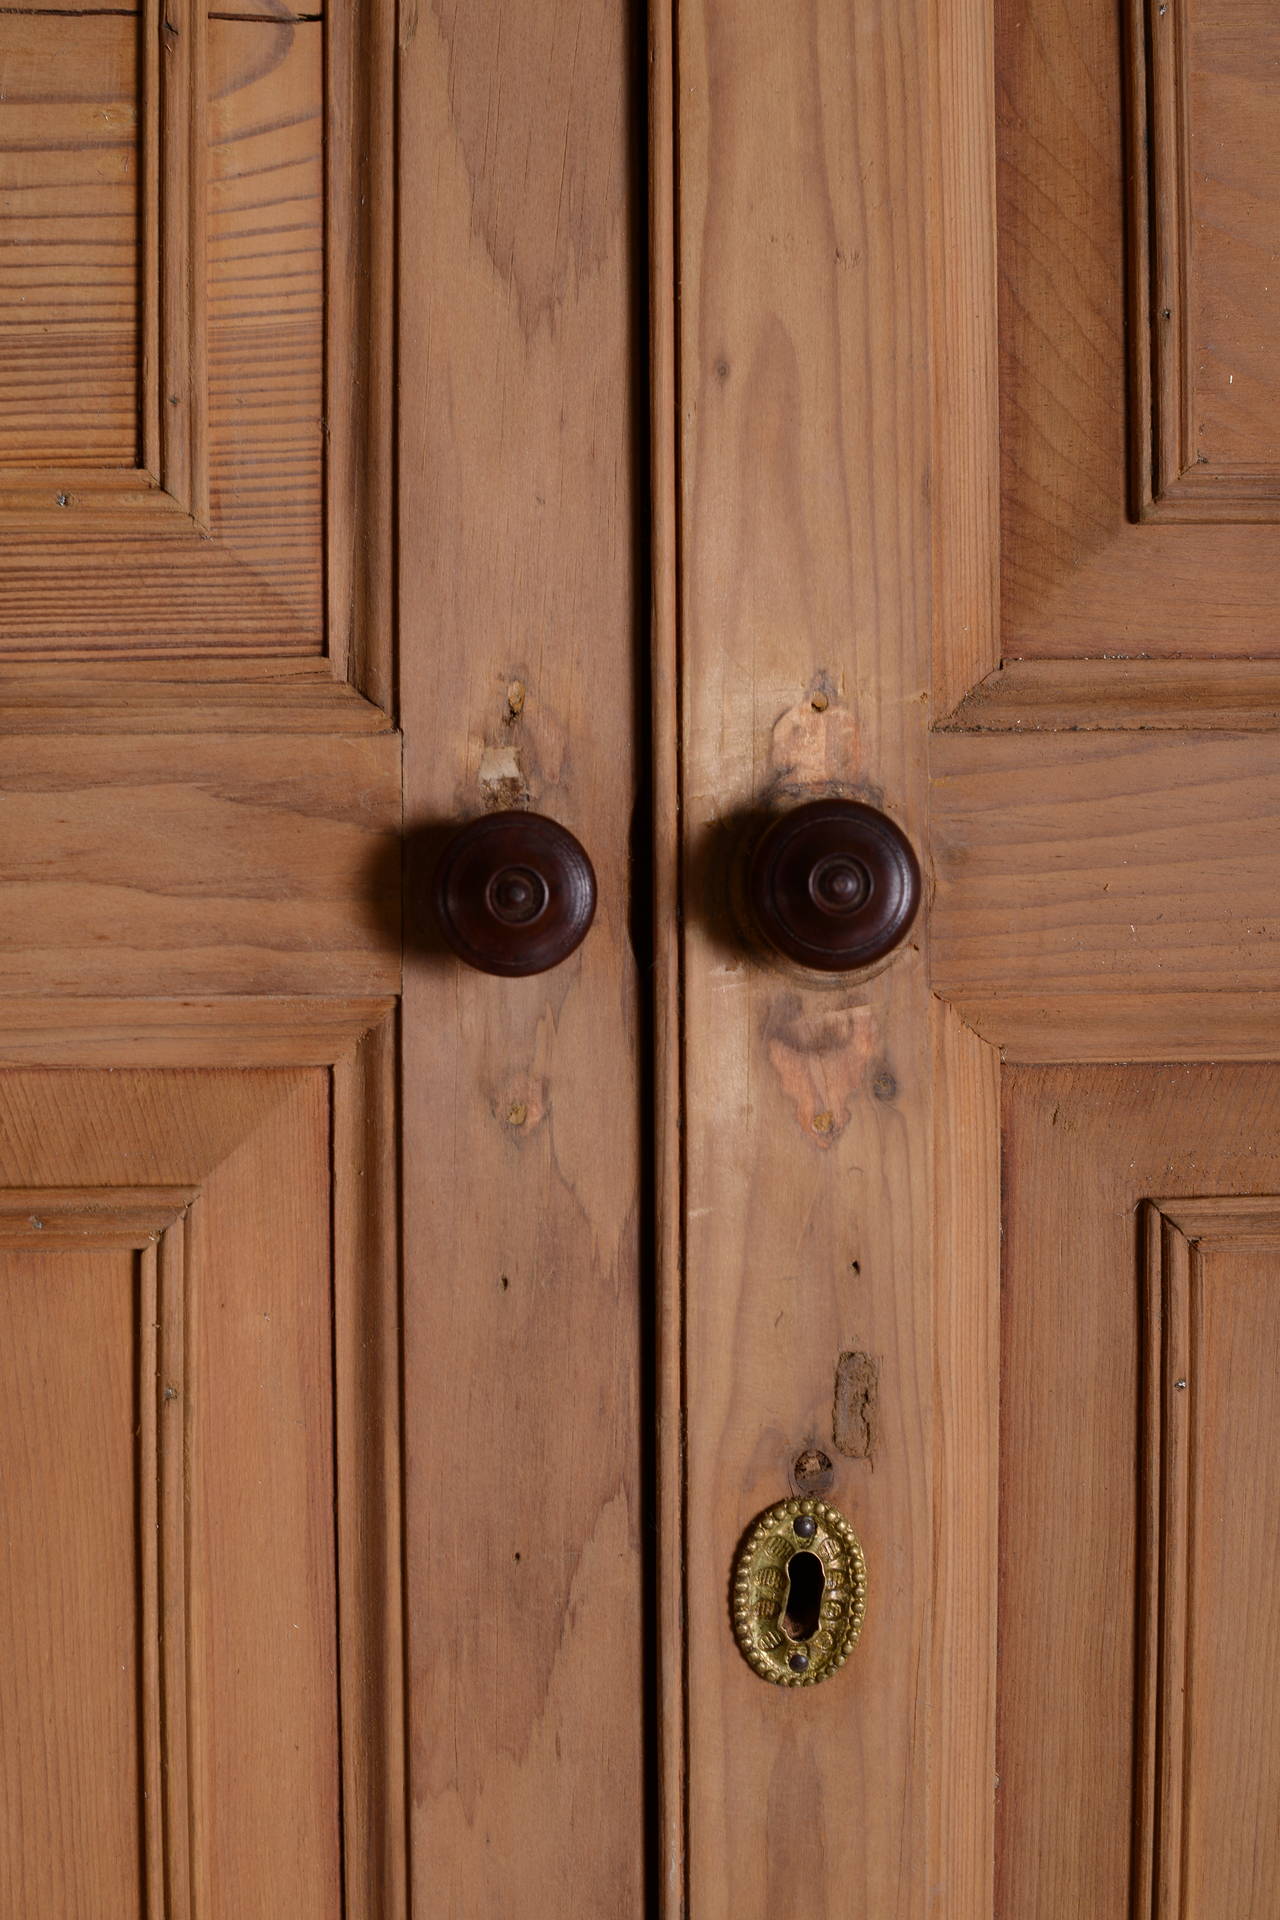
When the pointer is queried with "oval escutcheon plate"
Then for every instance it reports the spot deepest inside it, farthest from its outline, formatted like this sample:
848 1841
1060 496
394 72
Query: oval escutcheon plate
799 1592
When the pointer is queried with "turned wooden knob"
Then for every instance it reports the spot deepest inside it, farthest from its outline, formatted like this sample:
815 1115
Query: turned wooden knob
514 893
833 885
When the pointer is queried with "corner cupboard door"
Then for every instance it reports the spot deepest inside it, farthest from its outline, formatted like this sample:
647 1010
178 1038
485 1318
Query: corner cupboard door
967 508
199 957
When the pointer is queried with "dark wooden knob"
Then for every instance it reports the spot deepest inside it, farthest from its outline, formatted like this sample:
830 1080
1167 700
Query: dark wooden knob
514 893
833 885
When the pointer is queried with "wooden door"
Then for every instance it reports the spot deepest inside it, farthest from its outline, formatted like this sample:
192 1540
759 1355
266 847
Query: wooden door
966 494
200 1591
412 413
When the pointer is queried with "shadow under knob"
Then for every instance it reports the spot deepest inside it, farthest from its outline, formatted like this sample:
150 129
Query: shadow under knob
834 885
514 893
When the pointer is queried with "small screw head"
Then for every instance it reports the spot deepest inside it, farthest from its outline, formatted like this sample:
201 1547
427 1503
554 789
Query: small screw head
799 1663
806 1526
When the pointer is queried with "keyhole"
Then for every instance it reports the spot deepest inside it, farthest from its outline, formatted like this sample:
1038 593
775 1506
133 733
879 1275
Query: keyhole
805 1582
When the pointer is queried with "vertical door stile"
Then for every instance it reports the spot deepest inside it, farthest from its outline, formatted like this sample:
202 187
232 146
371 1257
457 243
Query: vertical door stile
804 611
965 471
518 504
668 994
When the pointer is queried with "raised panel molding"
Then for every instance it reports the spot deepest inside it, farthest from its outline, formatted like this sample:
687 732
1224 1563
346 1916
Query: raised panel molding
1090 231
261 1236
1209 1768
1201 181
150 1223
251 530
169 476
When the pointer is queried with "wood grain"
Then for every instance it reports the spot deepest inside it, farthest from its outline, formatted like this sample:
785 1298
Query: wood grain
965 468
1081 576
82 578
192 698
70 322
246 1664
1209 1709
1143 1025
223 1031
520 491
966 1438
277 10
1083 1147
206 865
1123 862
368 1438
360 332
1211 132
667 1035
804 570
69 1683
262 1610
1066 696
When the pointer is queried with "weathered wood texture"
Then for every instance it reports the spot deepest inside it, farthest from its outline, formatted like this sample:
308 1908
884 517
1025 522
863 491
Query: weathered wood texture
966 1415
72 1745
1079 425
70 321
211 697
88 568
667 1003
202 1697
1210 1726
194 459
1106 862
1064 696
1141 1025
222 1031
166 1247
519 504
965 467
277 10
1084 1146
1208 399
804 574
257 1720
200 865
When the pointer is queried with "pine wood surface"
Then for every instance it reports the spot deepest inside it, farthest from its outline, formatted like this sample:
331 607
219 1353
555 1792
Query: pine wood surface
204 865
69 309
254 1639
1083 1146
1108 862
274 10
1082 573
965 1390
1066 696
803 571
667 1034
521 503
221 549
204 1644
922 444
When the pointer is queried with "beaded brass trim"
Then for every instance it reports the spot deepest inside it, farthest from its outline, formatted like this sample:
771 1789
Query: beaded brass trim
762 1583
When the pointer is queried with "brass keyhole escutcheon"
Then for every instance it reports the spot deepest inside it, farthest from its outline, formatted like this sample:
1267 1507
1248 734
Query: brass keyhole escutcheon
799 1593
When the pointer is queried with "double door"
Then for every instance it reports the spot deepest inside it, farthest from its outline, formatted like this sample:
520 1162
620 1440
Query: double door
659 425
